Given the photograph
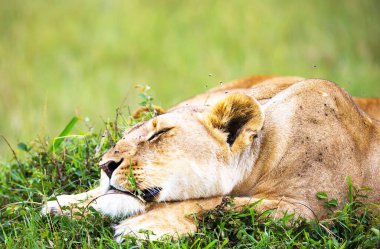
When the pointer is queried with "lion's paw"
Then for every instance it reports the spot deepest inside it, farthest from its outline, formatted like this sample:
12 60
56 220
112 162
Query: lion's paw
111 204
141 227
51 207
65 205
154 226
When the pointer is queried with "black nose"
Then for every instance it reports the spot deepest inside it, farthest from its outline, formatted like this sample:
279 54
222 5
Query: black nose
110 166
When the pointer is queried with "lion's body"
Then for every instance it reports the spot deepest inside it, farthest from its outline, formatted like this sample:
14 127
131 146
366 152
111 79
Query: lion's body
313 138
281 139
264 87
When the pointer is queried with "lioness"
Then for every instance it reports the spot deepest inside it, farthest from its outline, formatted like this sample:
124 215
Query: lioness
272 140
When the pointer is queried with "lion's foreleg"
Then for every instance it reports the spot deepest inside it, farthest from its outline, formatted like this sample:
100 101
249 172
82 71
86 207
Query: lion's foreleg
67 204
179 218
173 219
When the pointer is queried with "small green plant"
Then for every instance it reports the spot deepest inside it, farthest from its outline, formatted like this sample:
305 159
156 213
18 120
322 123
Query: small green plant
65 132
329 203
147 108
132 182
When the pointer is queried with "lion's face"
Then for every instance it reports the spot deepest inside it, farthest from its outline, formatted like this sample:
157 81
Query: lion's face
186 153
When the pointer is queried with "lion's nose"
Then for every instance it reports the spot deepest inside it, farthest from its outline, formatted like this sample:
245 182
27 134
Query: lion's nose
110 166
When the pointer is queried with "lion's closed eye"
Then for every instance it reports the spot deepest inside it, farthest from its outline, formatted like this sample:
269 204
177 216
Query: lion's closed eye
158 134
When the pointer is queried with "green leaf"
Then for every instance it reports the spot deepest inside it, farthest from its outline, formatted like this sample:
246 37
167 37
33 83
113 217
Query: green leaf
23 147
225 242
58 140
375 231
343 245
143 96
194 244
211 244
321 195
350 189
132 181
332 203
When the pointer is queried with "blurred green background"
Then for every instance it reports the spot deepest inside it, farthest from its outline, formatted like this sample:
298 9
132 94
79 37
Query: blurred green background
59 58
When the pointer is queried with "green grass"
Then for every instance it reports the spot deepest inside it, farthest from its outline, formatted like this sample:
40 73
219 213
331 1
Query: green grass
71 168
62 58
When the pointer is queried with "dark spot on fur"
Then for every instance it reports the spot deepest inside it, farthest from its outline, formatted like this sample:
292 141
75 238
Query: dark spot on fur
319 157
314 121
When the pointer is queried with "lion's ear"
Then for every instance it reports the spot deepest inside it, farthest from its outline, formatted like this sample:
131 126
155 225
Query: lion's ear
239 116
139 112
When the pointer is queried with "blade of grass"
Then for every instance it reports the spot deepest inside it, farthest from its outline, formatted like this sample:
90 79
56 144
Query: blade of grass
68 128
211 244
350 189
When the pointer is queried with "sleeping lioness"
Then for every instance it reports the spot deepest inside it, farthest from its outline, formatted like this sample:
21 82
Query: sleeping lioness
272 140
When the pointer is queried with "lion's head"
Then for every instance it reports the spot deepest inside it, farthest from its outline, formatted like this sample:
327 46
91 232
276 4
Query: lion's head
189 152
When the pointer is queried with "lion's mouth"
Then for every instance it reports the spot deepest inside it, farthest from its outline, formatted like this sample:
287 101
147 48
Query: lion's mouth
150 194
121 191
147 195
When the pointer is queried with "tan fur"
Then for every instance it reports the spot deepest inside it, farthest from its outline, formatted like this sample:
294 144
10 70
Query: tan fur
370 105
139 112
272 140
237 110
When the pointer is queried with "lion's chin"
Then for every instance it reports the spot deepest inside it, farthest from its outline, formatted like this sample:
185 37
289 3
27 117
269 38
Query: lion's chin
117 204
